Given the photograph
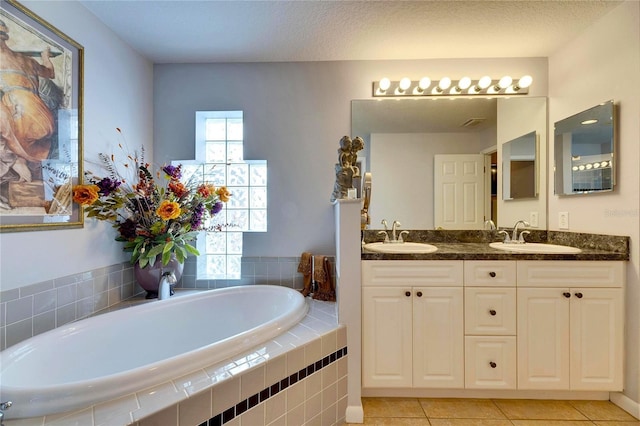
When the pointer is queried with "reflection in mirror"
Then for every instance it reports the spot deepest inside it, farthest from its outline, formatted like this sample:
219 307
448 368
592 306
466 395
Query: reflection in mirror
519 177
404 136
584 151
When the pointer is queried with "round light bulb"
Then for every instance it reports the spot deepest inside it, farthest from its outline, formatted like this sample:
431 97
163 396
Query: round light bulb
505 82
444 83
424 83
484 82
581 167
574 168
589 166
405 83
384 84
464 83
596 165
604 164
525 82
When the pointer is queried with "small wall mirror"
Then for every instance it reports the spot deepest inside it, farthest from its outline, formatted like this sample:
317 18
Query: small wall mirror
584 151
519 167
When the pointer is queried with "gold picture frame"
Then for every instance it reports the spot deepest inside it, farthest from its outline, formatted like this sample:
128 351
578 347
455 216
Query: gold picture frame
41 90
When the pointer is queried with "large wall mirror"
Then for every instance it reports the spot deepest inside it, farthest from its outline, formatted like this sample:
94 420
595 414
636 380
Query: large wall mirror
429 157
584 151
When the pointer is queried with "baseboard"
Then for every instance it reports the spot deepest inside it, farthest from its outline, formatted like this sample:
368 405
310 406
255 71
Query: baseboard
354 414
627 404
484 393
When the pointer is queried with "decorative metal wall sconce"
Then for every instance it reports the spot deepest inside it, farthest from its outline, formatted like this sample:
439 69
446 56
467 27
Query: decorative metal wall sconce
447 87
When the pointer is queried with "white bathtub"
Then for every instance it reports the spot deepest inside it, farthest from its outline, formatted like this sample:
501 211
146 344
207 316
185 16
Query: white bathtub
121 352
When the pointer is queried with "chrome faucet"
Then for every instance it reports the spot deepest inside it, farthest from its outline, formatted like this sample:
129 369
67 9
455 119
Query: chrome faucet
167 279
514 235
3 407
394 228
385 232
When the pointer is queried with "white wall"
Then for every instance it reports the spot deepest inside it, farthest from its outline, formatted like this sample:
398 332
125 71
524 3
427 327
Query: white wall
603 63
117 93
295 115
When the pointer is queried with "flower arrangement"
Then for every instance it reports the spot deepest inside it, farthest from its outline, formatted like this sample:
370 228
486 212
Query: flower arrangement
153 219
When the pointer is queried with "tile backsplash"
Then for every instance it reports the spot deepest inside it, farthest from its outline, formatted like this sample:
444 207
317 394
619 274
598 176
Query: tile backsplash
33 309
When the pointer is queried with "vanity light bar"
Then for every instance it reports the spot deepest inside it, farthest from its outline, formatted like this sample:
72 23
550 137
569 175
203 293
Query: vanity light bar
447 87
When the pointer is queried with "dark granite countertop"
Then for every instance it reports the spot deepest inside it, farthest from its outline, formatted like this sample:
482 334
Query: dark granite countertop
474 245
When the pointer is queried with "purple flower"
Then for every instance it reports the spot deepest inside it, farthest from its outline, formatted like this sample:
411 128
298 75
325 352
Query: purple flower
217 207
128 229
107 186
172 171
196 217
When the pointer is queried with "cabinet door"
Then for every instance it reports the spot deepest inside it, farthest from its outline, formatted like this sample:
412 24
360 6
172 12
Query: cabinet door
543 338
596 339
438 337
386 337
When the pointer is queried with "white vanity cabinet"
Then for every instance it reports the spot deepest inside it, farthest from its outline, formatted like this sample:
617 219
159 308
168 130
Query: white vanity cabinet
413 332
570 325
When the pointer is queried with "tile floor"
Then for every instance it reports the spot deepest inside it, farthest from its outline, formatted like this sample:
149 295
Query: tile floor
492 412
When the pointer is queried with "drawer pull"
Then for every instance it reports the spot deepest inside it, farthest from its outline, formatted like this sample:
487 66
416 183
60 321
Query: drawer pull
493 312
407 293
566 294
419 294
493 364
579 295
492 274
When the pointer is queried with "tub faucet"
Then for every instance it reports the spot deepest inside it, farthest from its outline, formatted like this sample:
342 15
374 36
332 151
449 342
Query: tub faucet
514 236
3 407
167 279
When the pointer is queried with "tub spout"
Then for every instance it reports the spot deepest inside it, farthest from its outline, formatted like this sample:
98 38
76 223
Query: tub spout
164 287
3 407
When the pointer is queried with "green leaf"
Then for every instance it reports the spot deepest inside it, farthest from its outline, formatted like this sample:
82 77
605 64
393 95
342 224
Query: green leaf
155 251
191 249
143 262
166 256
168 247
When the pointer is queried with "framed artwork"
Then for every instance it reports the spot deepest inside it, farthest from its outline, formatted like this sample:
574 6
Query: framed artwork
40 123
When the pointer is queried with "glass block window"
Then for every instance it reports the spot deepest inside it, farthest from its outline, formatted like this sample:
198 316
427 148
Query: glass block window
220 160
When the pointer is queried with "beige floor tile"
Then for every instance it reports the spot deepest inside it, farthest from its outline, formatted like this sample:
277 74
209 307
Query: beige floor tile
616 423
525 409
392 407
469 422
602 410
399 421
552 423
445 408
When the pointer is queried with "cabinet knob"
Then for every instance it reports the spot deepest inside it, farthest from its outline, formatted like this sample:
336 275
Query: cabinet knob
493 364
492 274
566 294
493 312
419 294
407 293
579 295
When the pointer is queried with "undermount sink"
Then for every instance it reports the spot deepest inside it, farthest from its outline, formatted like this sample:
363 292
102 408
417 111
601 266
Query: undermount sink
535 248
407 247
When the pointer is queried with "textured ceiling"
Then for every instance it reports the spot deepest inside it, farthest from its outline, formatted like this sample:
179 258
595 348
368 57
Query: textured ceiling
180 31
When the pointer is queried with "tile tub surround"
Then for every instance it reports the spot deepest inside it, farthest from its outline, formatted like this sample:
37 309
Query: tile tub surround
320 397
33 309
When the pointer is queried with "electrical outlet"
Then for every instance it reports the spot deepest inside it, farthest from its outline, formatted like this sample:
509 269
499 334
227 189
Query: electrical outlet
563 220
533 219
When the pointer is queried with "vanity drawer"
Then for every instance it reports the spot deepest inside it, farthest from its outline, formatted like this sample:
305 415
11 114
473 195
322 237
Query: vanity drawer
437 273
490 362
567 273
485 273
490 311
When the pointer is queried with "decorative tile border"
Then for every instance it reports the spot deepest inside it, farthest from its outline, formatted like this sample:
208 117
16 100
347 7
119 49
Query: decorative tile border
270 391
